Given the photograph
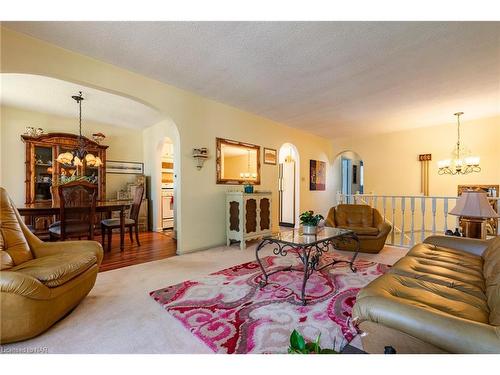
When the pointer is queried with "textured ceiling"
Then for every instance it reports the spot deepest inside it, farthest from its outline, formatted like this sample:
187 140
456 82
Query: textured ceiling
50 95
333 79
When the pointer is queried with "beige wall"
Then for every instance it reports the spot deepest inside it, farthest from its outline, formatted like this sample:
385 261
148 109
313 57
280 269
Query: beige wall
124 144
391 160
200 210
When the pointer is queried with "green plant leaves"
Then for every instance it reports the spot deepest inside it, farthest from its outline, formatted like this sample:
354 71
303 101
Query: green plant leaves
299 346
297 342
308 218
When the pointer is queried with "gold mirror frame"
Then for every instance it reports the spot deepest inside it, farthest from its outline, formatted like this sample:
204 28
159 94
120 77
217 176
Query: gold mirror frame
225 181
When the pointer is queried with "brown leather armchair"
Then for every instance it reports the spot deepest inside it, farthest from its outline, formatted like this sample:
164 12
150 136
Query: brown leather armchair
442 297
365 221
40 282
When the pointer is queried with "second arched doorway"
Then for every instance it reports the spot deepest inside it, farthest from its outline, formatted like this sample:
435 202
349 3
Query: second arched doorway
289 185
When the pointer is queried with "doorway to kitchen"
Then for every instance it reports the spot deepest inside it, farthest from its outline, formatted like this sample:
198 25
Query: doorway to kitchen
288 185
167 188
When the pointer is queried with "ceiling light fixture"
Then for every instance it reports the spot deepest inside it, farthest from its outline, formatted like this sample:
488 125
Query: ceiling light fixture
75 158
461 162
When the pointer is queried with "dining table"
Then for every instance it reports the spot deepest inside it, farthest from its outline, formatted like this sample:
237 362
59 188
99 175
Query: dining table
106 206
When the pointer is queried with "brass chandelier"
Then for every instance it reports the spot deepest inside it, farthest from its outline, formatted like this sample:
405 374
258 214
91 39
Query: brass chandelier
75 158
461 162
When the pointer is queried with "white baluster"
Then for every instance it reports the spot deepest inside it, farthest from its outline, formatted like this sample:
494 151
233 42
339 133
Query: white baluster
422 208
401 240
445 210
383 203
433 216
412 207
393 201
375 202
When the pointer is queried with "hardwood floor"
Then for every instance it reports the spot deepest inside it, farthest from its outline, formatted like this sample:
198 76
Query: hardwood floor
154 246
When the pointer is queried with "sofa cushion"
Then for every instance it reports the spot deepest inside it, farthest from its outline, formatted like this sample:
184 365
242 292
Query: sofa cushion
357 215
363 231
426 295
14 246
444 254
418 268
491 269
55 270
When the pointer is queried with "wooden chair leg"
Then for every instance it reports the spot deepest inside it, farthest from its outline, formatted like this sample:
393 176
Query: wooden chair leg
137 235
110 237
130 229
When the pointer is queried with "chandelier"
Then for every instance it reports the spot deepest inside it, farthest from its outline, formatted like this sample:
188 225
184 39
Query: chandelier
461 162
75 158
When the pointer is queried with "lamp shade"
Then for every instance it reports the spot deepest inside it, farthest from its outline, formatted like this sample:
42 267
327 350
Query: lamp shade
473 204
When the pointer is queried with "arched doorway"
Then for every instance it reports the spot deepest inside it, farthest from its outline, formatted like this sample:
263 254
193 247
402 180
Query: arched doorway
349 173
289 185
162 156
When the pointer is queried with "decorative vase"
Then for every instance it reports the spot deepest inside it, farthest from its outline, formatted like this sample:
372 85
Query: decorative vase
248 189
309 229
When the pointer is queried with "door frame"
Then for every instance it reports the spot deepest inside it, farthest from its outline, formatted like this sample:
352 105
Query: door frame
280 212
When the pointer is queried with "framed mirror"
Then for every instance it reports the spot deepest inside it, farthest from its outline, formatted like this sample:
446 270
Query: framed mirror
238 163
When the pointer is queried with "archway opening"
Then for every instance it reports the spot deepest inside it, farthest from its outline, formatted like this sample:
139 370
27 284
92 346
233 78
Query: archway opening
349 174
289 185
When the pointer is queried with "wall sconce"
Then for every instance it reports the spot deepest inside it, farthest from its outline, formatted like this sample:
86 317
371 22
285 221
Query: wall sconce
200 155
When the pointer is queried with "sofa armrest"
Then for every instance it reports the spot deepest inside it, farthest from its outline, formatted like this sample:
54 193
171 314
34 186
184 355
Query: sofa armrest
383 229
23 285
51 248
469 245
445 331
330 218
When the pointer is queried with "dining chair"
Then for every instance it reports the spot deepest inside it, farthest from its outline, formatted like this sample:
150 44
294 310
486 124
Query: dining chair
77 202
132 222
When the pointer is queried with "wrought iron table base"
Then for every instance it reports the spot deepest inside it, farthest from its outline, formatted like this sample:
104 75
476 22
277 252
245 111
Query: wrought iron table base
310 256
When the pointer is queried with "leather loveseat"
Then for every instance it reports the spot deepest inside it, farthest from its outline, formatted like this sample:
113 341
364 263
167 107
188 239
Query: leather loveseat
40 282
365 221
442 297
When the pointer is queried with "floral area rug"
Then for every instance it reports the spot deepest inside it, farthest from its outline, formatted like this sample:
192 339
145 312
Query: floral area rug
230 313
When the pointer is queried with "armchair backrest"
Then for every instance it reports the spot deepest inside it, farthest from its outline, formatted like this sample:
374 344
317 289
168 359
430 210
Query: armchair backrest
14 246
355 215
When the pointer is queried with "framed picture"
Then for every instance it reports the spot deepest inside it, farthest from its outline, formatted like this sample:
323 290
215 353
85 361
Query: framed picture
270 156
124 167
317 175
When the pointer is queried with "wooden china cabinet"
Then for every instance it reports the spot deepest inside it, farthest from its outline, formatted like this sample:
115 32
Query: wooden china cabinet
42 169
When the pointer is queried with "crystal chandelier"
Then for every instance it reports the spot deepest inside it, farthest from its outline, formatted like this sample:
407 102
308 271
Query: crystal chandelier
75 158
461 162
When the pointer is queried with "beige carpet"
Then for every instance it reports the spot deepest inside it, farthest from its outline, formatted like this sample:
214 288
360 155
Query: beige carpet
119 316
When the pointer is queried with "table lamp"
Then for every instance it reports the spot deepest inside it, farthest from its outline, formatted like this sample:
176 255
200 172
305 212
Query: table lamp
474 209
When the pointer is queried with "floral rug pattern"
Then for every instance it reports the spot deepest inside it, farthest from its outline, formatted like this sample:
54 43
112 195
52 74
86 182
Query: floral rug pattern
230 313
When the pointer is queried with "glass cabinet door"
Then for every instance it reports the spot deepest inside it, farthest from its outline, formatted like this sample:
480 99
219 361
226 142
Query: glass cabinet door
43 172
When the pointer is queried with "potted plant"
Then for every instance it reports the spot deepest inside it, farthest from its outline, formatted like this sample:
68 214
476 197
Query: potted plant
298 345
310 222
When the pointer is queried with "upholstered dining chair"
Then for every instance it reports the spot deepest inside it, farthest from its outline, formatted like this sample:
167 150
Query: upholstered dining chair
77 201
132 222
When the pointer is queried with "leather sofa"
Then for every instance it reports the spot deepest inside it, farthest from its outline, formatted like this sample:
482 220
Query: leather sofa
365 221
40 282
442 297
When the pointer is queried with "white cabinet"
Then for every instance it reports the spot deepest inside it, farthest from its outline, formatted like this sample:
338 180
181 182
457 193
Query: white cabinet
248 216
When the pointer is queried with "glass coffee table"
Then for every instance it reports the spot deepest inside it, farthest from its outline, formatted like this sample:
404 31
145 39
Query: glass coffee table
309 248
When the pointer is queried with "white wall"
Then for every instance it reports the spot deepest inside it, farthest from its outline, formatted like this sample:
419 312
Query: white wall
124 144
